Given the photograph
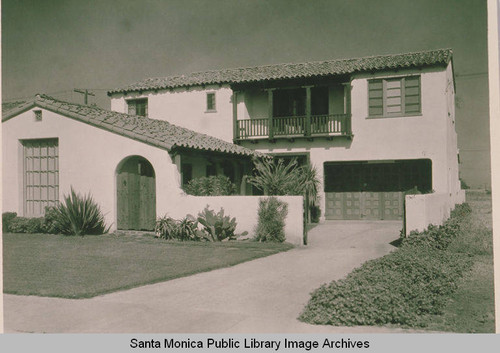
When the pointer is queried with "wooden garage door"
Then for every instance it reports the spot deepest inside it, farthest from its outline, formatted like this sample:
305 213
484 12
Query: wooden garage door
364 205
373 190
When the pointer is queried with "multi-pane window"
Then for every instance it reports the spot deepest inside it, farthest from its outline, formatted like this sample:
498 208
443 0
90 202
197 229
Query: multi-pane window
138 107
394 96
41 175
211 102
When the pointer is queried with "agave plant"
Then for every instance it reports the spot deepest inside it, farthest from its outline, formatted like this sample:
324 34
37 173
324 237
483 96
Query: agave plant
79 215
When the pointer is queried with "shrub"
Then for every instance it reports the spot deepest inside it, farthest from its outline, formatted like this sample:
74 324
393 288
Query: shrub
271 223
435 237
399 288
7 218
403 287
185 229
210 186
217 226
281 178
315 213
50 220
79 215
26 225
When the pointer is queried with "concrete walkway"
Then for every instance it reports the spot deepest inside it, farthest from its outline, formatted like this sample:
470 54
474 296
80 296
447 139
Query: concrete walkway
261 296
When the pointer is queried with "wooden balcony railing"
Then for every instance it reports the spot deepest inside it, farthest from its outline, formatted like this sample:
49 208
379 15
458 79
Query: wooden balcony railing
294 126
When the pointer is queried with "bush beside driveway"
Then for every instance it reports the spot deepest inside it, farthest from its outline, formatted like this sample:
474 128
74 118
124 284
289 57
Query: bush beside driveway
414 285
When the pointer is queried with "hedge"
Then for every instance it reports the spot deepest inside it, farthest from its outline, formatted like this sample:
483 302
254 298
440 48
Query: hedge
400 288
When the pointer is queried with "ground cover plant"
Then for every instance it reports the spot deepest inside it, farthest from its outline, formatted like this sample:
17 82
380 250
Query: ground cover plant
80 267
424 283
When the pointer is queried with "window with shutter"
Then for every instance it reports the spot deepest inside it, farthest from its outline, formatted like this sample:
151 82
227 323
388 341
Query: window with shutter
394 96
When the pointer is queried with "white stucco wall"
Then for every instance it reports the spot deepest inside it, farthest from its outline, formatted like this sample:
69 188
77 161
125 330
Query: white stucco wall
244 209
423 210
187 107
88 158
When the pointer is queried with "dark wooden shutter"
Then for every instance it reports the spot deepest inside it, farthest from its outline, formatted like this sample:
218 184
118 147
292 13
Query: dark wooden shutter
131 107
375 98
412 94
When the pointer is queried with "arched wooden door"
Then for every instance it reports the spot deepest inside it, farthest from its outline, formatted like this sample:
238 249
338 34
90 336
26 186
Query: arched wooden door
136 195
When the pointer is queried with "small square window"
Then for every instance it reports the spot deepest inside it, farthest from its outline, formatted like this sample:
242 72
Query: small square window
138 107
210 101
38 115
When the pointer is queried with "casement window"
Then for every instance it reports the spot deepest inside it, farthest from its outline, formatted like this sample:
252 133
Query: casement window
394 96
211 102
41 175
138 107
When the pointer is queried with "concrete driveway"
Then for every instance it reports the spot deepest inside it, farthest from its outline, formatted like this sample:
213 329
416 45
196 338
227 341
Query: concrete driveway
261 296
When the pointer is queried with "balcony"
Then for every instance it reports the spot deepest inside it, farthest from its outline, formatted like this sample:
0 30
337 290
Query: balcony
294 127
292 112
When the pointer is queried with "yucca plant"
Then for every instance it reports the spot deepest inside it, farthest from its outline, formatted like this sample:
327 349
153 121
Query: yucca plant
277 178
79 215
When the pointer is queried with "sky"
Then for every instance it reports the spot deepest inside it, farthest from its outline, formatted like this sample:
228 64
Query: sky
55 46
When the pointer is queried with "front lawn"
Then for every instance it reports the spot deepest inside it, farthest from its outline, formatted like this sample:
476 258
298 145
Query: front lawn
82 267
441 280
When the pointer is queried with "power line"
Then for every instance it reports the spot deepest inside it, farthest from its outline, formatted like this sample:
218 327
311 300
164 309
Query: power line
52 93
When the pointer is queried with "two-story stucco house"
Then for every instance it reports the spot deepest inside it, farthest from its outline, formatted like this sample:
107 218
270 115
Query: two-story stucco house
373 127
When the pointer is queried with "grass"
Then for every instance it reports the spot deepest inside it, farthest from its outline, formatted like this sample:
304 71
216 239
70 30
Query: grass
82 267
446 288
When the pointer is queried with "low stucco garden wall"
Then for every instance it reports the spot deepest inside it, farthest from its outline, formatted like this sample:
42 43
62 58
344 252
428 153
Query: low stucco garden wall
244 209
425 209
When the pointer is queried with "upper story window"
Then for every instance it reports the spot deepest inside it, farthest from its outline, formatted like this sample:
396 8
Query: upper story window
138 107
398 96
211 102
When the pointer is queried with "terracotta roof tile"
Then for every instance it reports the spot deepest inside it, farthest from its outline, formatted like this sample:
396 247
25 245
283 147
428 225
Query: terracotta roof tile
288 71
159 133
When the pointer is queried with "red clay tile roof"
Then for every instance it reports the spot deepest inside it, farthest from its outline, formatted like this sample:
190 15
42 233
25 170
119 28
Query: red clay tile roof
289 71
158 133
11 105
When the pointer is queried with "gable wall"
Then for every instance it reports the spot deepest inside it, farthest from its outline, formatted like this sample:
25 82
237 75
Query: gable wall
88 157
